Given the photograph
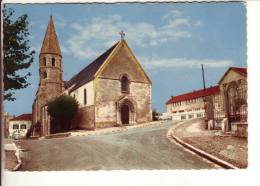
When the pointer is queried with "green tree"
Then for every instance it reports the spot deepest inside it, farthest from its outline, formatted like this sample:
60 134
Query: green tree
17 53
62 110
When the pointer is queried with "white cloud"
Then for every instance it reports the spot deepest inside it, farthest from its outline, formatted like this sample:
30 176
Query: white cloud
172 14
166 63
90 38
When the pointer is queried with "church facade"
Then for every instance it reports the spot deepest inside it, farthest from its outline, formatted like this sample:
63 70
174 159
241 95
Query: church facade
113 90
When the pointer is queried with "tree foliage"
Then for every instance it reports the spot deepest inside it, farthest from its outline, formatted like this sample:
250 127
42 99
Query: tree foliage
17 53
62 110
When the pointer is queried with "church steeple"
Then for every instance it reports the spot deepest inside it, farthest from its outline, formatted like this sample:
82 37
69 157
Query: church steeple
50 43
50 62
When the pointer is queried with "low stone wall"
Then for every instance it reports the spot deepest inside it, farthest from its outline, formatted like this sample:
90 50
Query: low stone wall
240 129
84 119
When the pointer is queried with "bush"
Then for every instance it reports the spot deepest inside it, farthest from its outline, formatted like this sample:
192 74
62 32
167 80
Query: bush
62 110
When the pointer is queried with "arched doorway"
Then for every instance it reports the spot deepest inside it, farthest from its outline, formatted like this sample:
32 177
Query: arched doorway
125 114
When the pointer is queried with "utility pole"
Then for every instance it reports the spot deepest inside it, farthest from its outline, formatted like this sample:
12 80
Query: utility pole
204 85
204 98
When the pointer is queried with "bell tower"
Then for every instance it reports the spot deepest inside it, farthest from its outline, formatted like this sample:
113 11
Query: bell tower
51 83
50 63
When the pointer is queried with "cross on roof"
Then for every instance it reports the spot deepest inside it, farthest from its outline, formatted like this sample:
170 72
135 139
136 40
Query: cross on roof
122 34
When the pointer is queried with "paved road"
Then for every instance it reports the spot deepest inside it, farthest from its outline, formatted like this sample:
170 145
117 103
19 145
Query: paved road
140 148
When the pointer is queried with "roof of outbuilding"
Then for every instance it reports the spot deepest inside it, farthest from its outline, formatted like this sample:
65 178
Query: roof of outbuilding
242 71
89 71
195 94
23 117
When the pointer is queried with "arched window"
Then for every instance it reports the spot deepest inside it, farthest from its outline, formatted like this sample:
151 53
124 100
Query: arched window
124 84
85 96
44 61
53 61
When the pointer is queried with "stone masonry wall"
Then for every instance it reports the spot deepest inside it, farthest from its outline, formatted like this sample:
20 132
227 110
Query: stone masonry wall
108 90
49 88
85 118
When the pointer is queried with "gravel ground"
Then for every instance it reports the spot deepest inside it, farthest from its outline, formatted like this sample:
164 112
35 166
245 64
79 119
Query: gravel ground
10 160
231 149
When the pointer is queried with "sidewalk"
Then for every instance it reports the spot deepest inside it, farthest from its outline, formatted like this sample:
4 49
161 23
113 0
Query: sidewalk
228 148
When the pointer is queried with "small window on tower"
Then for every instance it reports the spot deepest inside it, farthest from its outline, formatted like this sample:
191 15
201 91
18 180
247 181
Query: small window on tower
53 62
45 75
45 61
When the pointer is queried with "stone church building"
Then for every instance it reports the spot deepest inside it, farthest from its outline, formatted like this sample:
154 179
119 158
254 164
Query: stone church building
113 90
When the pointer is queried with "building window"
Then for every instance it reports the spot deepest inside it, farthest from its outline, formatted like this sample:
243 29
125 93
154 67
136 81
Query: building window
44 61
85 96
124 84
45 75
191 116
199 115
183 117
53 62
23 126
15 126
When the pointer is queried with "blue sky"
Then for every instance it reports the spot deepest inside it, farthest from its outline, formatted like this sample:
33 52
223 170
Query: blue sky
171 41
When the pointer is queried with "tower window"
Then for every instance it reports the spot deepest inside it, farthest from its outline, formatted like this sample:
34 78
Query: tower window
44 61
45 75
53 62
85 96
124 84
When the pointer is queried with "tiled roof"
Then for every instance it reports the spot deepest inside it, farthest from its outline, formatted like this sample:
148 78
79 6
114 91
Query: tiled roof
194 94
50 43
242 71
89 71
23 117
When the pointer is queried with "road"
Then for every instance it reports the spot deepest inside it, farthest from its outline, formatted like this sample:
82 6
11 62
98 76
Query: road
139 148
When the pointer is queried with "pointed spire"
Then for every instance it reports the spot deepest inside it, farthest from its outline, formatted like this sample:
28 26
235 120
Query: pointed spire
50 43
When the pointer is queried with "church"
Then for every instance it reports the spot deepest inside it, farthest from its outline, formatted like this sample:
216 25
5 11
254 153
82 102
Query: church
113 90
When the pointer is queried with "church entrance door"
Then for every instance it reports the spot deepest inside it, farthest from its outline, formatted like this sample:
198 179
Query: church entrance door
125 114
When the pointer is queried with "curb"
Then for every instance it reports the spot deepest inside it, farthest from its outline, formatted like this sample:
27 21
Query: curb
19 160
200 152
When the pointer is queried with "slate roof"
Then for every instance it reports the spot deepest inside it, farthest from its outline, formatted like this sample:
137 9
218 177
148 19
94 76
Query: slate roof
195 94
50 43
23 117
87 74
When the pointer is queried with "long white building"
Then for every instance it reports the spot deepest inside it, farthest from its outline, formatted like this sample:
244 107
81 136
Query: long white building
189 105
